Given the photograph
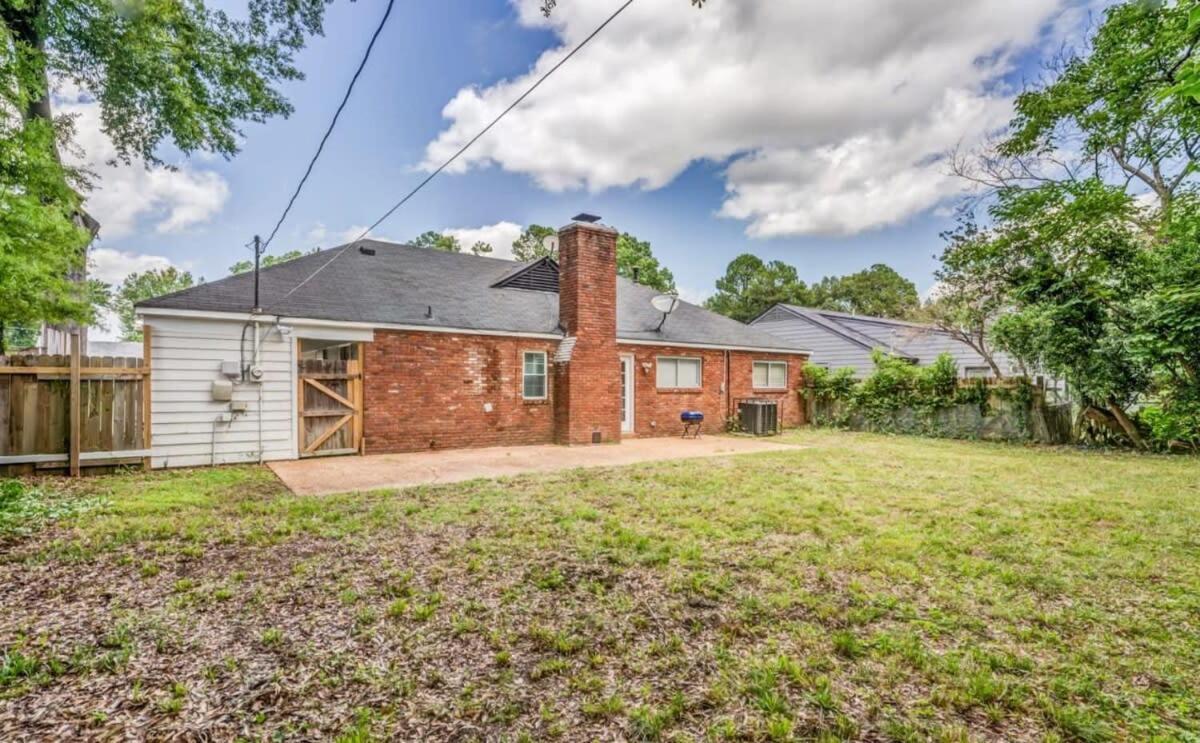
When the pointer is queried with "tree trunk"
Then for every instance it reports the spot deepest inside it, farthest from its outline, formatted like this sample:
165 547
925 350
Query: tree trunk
1127 425
1102 418
23 23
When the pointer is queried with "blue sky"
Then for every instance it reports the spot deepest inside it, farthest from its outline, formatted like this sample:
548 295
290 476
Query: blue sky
811 139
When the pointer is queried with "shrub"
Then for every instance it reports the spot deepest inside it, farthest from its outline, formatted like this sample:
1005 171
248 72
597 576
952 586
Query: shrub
826 384
1174 425
898 396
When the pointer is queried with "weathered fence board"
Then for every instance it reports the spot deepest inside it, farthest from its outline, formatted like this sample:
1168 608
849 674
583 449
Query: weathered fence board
36 409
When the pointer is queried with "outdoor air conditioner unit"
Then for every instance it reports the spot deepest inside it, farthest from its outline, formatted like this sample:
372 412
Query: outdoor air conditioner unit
759 417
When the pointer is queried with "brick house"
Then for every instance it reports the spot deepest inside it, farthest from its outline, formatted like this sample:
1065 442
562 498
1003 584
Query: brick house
379 347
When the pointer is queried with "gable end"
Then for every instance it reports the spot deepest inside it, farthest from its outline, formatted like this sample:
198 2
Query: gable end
539 276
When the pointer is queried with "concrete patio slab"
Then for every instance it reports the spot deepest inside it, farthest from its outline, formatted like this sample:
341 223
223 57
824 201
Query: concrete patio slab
346 474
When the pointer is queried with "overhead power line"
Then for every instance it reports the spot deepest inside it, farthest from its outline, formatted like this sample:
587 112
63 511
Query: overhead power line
461 150
321 147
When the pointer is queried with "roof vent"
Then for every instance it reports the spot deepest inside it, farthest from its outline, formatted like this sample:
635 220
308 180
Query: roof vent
585 217
365 250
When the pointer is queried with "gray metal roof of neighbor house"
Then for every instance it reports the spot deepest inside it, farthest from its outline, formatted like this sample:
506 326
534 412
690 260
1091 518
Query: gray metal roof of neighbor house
405 285
834 337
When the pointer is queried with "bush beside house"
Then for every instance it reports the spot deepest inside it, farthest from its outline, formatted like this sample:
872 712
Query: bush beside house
900 397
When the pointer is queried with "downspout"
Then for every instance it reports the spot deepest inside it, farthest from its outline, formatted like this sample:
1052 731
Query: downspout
257 348
728 393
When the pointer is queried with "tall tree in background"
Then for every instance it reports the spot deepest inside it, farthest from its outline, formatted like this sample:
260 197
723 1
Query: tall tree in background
635 256
141 286
481 248
972 291
750 286
632 254
268 260
173 71
531 244
431 240
878 291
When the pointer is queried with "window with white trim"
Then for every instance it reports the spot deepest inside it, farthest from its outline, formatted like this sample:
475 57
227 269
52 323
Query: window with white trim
678 372
533 385
770 375
977 372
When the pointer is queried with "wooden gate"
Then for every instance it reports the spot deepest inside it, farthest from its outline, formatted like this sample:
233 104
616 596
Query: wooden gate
331 407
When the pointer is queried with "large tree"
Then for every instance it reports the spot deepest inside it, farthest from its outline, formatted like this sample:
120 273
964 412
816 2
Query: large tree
160 71
141 286
750 286
877 291
972 291
1094 190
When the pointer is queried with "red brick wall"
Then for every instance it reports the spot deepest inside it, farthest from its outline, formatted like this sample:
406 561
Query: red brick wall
428 391
656 411
741 373
588 387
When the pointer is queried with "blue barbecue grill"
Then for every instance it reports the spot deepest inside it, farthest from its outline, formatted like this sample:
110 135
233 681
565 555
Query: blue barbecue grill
691 419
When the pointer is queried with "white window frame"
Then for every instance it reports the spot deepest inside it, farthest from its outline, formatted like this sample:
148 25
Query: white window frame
699 372
768 386
545 375
977 372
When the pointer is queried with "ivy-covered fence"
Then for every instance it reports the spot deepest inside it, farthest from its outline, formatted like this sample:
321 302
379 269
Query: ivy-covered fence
932 401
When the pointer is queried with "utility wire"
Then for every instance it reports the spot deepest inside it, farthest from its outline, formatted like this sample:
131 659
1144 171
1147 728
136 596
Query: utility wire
320 147
460 151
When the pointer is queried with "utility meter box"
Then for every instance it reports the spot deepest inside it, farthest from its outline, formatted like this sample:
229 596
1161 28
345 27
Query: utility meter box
222 390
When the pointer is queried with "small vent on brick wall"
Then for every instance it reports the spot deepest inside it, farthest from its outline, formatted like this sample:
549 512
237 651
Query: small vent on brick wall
596 437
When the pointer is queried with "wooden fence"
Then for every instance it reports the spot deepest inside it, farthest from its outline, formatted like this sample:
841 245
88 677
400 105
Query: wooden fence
70 412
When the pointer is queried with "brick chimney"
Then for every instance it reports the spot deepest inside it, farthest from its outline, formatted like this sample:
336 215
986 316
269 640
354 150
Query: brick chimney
587 399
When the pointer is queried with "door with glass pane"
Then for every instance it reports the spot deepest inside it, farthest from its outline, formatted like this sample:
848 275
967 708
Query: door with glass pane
626 394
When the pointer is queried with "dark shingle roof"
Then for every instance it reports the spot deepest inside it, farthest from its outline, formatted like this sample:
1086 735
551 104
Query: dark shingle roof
400 284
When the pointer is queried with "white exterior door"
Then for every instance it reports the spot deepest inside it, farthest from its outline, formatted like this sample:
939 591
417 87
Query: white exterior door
626 394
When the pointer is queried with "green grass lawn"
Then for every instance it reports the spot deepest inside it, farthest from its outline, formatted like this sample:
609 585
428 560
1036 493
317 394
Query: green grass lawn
862 587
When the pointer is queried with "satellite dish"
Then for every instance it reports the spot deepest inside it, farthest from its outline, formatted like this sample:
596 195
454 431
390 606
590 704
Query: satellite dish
550 243
665 303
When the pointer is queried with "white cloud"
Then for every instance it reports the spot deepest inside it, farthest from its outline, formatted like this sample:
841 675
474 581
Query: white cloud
125 196
831 117
321 236
113 266
500 236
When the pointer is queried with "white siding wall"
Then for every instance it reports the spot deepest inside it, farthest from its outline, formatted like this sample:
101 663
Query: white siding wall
186 356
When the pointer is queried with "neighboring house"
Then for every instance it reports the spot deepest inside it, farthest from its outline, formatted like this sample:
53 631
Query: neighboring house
454 350
56 339
837 340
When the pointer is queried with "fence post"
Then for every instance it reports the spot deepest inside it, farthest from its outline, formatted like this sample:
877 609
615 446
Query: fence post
147 441
74 446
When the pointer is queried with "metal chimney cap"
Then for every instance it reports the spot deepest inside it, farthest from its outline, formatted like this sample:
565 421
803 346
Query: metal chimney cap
585 217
